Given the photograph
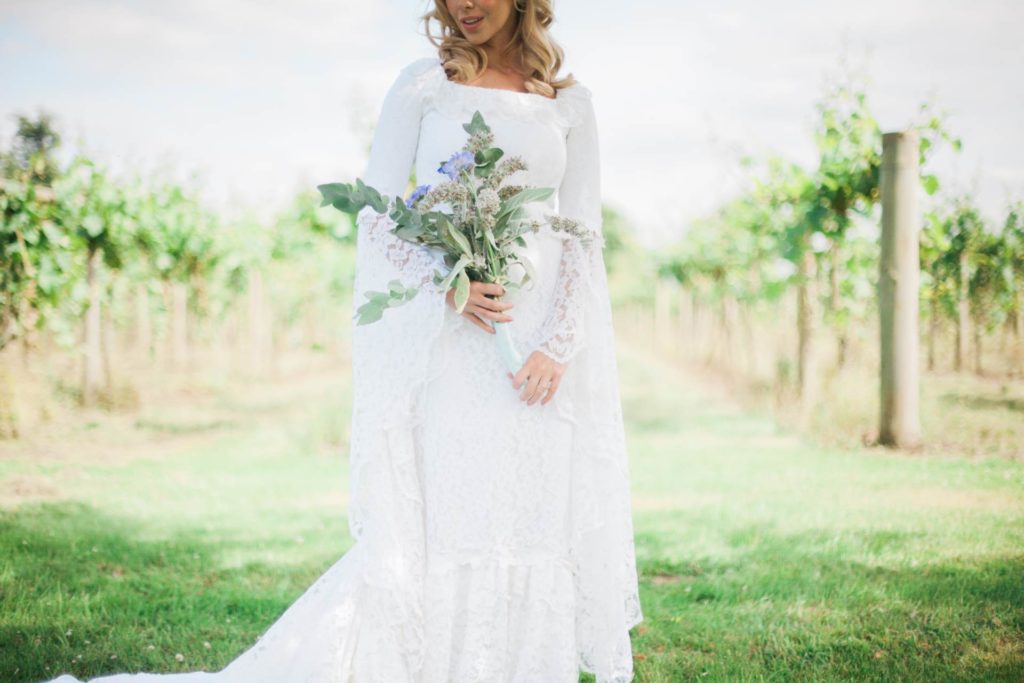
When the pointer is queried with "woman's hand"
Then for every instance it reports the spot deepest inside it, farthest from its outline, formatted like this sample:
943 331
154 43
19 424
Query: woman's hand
539 371
479 305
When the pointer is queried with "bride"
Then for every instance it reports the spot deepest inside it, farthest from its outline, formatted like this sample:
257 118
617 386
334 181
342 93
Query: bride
491 510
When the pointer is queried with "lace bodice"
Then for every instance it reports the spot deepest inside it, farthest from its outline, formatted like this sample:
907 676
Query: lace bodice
420 124
566 314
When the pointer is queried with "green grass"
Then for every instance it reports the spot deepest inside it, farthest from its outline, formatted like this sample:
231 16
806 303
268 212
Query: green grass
763 557
769 559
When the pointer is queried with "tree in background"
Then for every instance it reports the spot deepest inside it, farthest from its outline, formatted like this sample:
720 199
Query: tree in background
1013 264
963 227
989 290
35 253
849 143
31 156
938 277
93 212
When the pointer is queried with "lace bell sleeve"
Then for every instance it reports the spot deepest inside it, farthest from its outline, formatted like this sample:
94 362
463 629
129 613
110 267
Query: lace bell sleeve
392 154
579 201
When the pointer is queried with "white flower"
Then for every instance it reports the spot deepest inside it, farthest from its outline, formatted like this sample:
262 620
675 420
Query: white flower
488 201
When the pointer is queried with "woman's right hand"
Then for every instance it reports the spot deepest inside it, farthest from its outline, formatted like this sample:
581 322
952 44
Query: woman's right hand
479 305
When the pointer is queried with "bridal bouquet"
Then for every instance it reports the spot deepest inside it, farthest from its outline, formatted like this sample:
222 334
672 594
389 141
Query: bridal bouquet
478 234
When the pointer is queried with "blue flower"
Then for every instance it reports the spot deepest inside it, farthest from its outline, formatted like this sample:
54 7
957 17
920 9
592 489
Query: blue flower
460 161
416 194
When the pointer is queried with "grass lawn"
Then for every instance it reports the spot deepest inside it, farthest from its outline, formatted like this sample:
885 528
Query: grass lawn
168 541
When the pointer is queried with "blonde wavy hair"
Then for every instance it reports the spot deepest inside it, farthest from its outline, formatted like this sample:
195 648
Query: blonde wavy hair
531 46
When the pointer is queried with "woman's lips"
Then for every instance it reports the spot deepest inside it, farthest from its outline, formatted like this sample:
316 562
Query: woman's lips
472 26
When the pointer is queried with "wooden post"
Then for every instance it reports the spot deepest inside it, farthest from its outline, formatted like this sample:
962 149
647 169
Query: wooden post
682 329
1018 332
806 316
963 311
143 326
179 324
92 365
662 313
898 282
258 342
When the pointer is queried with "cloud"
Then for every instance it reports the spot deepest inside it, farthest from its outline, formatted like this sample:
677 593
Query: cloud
263 95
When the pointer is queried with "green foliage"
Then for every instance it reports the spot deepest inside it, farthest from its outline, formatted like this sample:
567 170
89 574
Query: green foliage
351 198
849 144
31 156
932 130
476 241
35 257
149 232
35 250
750 247
377 302
523 197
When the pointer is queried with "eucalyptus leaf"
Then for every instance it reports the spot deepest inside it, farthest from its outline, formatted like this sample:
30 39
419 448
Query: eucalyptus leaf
476 124
461 291
529 194
527 264
490 237
456 235
369 312
456 270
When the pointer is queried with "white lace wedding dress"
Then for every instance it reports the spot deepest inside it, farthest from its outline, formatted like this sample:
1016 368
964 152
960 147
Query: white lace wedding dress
494 539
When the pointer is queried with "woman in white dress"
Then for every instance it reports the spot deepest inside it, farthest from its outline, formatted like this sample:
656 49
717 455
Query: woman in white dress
491 511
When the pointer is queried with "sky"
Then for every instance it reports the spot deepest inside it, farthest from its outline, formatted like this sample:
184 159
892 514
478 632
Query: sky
258 100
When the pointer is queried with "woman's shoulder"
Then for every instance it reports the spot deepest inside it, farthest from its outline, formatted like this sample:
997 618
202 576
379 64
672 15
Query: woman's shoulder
419 78
422 66
576 102
425 72
577 92
425 76
414 82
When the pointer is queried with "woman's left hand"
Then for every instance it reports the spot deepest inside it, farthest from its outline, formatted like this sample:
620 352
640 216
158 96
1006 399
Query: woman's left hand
539 371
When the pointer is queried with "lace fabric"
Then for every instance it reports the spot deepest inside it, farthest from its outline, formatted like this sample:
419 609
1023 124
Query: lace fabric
577 329
426 595
562 333
579 198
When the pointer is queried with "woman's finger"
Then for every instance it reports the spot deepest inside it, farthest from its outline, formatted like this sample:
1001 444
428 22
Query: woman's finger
492 304
491 288
478 322
551 391
538 393
490 315
532 385
520 377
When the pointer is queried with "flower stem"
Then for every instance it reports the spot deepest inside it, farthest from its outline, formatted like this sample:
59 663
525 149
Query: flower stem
507 351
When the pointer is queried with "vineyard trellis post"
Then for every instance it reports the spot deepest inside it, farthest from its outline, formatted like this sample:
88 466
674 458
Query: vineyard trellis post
92 360
898 284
